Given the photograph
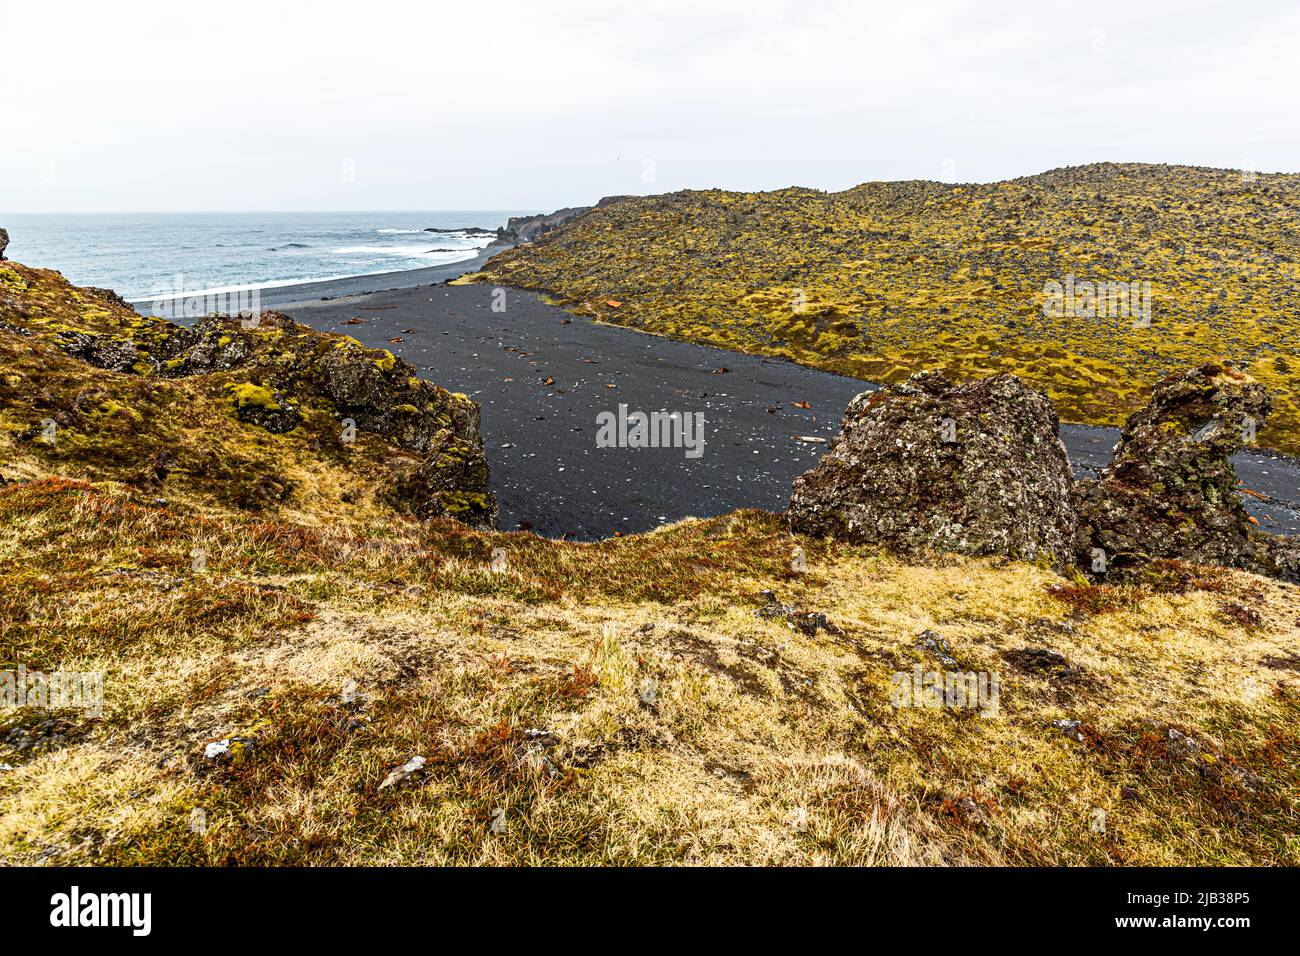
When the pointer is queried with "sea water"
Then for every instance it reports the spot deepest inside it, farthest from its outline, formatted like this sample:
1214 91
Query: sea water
138 254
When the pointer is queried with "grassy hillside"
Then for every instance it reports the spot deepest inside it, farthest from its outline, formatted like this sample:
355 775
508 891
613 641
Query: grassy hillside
886 279
621 702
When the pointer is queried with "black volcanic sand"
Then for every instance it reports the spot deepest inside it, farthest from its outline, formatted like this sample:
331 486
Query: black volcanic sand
541 438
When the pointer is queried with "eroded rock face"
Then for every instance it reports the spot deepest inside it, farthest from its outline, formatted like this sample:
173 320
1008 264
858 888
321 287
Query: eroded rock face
1170 490
531 228
976 469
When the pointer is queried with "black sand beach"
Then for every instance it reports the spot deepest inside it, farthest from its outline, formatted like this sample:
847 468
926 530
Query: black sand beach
542 376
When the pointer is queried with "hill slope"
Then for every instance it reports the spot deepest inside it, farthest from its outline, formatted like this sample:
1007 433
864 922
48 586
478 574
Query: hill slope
887 279
267 416
622 702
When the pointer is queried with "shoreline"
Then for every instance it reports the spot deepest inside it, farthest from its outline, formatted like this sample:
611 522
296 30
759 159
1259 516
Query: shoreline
313 291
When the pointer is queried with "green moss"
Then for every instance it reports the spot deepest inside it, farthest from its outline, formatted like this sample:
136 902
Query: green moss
459 502
110 408
247 393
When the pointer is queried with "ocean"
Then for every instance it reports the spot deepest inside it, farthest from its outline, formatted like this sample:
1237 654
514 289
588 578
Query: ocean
137 255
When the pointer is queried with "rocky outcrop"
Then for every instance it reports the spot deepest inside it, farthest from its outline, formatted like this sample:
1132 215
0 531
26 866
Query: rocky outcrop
402 440
464 230
4 241
528 228
1170 490
520 229
976 469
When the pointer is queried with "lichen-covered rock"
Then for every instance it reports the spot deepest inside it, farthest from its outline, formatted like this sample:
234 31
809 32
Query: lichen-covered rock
1277 556
263 407
358 418
1170 490
102 351
976 469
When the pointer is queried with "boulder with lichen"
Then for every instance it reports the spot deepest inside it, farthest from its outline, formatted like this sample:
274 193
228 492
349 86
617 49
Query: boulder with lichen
975 468
1170 490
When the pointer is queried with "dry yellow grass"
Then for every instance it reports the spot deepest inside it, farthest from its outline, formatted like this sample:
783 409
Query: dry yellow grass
679 726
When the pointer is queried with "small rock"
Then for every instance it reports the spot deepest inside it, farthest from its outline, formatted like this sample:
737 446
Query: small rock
1038 660
403 773
933 642
217 751
1070 728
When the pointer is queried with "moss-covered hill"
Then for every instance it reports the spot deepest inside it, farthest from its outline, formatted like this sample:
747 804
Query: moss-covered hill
274 418
886 279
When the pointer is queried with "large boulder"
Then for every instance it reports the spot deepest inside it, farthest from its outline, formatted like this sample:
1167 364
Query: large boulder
975 468
1170 490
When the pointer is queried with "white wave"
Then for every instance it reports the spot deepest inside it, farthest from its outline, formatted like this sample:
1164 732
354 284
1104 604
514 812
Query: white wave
276 283
225 289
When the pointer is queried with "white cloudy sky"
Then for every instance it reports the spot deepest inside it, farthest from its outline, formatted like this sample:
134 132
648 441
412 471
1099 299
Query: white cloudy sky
515 104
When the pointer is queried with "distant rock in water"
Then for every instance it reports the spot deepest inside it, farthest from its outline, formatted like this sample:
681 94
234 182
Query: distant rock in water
976 469
4 241
466 230
1170 490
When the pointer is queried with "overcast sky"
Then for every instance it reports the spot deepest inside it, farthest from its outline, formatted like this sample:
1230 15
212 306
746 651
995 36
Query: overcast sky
497 104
